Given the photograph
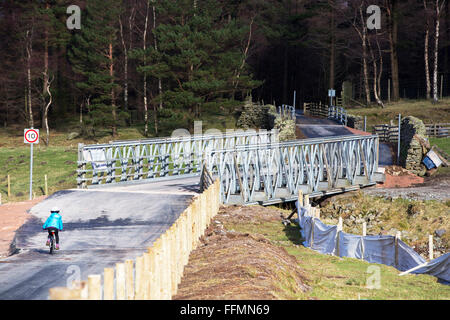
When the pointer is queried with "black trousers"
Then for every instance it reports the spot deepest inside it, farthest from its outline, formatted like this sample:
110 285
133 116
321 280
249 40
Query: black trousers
50 229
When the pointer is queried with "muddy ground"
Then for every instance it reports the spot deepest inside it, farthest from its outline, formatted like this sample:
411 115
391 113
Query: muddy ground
12 217
402 184
233 265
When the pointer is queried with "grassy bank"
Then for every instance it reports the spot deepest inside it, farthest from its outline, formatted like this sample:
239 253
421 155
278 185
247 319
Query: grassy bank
422 109
342 278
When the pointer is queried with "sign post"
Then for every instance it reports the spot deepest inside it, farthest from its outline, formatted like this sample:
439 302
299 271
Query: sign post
331 94
31 136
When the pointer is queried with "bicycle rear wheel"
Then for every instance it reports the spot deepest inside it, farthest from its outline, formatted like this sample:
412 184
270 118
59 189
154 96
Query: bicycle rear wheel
52 244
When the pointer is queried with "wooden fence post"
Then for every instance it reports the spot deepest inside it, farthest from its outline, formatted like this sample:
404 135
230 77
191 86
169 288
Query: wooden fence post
430 247
120 281
300 198
94 287
129 279
9 188
146 274
108 284
339 230
45 185
306 200
397 238
139 291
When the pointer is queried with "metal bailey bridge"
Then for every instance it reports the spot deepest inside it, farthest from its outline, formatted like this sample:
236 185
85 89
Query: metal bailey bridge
253 167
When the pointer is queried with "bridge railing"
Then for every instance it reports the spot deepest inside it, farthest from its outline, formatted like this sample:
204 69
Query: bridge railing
338 114
322 110
287 112
124 161
257 174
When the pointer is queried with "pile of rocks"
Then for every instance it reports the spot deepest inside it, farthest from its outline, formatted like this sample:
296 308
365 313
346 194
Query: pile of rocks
355 122
413 145
258 116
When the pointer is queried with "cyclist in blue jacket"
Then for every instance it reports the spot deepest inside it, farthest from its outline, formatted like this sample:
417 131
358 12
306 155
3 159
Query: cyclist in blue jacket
53 223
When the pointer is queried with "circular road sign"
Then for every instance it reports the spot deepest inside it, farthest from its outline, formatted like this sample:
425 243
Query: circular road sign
31 136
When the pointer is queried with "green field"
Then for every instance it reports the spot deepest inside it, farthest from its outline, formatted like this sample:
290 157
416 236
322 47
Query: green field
422 109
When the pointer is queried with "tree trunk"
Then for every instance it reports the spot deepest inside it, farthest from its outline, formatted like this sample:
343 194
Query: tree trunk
332 46
427 67
113 98
29 49
392 9
155 108
144 47
436 52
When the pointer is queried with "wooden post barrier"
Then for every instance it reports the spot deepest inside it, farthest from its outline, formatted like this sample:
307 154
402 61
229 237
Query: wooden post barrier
165 265
139 291
129 279
364 228
108 284
430 247
146 274
173 260
94 287
120 282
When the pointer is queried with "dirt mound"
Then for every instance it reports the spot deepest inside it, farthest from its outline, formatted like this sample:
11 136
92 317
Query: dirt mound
233 265
398 177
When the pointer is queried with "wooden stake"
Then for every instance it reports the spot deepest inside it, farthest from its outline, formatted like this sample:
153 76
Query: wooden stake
139 278
108 284
146 276
9 188
94 287
120 281
364 229
129 279
45 185
300 198
431 246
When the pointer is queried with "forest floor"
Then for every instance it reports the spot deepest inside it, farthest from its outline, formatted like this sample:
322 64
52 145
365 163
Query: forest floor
247 253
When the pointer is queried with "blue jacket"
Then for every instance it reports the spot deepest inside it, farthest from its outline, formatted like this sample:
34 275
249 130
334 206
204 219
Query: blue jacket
55 220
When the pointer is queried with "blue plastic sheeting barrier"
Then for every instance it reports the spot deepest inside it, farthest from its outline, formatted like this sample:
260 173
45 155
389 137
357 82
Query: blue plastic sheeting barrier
439 267
350 245
379 249
407 257
324 240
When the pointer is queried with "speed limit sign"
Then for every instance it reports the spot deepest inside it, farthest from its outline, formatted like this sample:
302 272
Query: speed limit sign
31 136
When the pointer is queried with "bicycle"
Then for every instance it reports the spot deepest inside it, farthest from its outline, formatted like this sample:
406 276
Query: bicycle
52 242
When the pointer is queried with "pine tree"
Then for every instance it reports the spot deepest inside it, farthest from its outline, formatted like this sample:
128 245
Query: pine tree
199 57
92 56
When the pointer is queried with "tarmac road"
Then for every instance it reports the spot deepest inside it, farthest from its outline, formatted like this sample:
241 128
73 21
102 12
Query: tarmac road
102 226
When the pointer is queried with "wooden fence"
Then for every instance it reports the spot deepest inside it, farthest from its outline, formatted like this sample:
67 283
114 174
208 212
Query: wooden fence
389 133
438 130
315 109
386 132
156 274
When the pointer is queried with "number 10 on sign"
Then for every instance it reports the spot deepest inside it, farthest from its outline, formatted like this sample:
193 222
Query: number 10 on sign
31 136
